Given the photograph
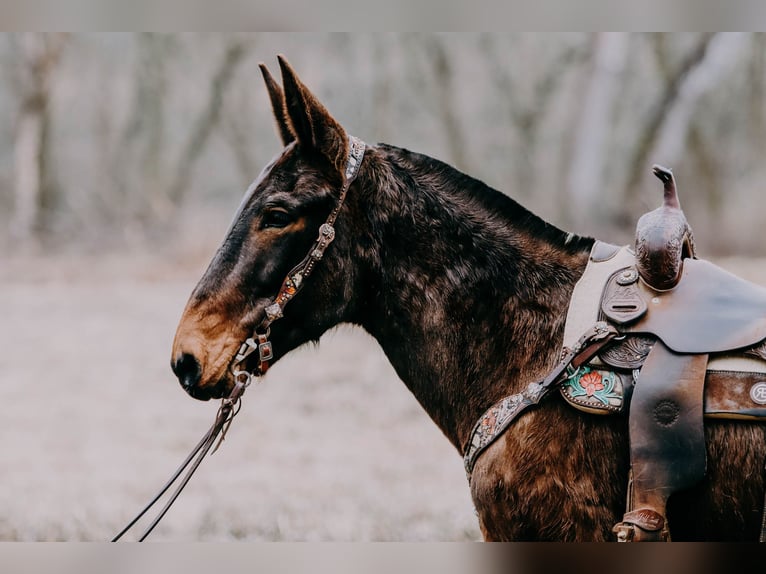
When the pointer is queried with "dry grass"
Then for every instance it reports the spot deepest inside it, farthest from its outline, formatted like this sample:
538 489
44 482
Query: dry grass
331 446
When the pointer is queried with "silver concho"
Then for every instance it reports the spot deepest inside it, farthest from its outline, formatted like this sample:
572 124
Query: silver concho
273 311
327 231
758 393
628 276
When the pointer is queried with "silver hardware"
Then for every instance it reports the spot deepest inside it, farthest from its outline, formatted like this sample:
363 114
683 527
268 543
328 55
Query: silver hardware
317 254
242 378
327 231
246 349
628 276
534 392
265 351
273 312
758 393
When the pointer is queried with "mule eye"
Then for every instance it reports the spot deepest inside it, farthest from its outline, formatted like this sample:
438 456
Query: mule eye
276 218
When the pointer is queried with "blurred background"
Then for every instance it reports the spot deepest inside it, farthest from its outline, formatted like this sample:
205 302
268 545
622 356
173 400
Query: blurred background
113 139
123 158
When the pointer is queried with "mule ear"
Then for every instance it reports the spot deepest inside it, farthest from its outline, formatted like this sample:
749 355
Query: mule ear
277 98
311 122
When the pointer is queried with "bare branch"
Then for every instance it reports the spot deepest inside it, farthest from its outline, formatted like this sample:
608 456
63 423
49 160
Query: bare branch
38 54
443 76
207 121
638 163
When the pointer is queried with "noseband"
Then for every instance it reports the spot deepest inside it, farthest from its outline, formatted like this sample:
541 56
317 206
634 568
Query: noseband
293 283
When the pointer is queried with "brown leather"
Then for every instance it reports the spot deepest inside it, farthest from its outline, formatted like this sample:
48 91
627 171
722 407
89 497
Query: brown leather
629 353
623 301
709 311
642 525
602 251
667 440
735 395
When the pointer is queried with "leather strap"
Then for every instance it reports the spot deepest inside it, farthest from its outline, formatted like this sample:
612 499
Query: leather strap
667 441
499 416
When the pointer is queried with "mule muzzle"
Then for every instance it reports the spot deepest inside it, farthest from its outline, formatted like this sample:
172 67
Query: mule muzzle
189 372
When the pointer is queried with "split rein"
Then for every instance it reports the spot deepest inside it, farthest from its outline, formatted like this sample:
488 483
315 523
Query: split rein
226 412
259 341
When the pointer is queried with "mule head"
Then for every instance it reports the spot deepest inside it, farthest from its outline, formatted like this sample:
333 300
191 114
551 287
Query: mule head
274 229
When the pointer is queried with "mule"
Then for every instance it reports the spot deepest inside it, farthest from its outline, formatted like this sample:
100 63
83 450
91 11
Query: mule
466 291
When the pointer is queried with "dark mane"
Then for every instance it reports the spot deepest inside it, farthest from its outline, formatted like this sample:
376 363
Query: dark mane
456 265
480 197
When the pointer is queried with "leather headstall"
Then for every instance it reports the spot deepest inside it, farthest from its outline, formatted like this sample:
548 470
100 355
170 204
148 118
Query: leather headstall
295 280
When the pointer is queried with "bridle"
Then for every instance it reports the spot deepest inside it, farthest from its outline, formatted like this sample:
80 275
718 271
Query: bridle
293 282
259 341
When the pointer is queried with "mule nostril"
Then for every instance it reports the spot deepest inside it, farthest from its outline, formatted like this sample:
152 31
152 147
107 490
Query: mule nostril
187 369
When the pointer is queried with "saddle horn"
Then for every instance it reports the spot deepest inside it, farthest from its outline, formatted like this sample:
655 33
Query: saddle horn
665 175
663 237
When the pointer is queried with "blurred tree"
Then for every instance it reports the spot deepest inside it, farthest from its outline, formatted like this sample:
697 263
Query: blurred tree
382 49
527 115
639 163
113 132
37 56
590 151
138 160
442 71
234 52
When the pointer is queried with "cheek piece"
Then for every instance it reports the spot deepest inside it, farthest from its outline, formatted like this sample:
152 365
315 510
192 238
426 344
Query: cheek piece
292 284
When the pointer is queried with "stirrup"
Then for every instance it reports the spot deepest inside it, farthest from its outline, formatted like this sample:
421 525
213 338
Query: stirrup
642 525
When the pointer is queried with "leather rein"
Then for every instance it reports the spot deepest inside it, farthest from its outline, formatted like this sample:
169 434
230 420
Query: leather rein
259 341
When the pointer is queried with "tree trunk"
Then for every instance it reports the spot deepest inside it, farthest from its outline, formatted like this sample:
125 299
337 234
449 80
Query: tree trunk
443 77
589 157
207 121
28 173
38 56
638 165
720 55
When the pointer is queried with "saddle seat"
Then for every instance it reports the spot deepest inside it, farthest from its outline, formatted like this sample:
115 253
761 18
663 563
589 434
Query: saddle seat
709 311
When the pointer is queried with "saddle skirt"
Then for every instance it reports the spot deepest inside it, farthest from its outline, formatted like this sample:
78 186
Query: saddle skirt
710 311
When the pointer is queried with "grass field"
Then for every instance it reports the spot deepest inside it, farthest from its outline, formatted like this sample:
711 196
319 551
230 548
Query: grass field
331 446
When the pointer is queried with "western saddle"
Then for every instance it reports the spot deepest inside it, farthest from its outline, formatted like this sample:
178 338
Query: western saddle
677 339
